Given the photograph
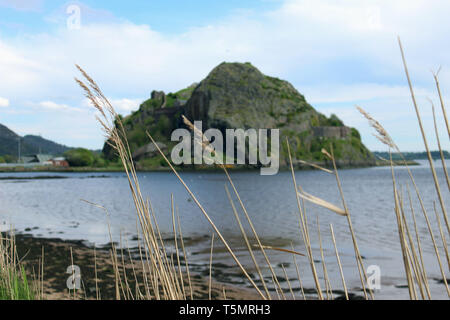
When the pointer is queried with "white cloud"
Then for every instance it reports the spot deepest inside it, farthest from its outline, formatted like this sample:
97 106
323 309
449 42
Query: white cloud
18 71
126 105
334 51
4 102
53 106
23 5
123 106
358 92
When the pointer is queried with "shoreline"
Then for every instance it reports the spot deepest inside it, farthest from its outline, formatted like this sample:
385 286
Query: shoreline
58 254
202 169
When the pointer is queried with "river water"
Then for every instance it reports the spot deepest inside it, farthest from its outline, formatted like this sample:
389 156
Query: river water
50 205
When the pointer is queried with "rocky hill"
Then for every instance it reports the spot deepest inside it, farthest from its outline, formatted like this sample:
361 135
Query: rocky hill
29 144
238 95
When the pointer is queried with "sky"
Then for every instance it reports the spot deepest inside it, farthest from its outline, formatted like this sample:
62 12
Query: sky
337 53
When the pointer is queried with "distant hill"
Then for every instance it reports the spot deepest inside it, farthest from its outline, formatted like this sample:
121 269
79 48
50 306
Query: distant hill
238 95
41 145
8 141
413 155
29 144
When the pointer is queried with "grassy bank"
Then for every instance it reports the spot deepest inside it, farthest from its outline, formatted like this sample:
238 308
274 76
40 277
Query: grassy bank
201 168
15 283
97 272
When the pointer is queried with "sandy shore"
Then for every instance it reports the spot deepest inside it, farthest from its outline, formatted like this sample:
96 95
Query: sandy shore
58 254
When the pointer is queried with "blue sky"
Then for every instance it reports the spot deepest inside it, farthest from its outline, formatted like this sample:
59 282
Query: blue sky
337 53
168 16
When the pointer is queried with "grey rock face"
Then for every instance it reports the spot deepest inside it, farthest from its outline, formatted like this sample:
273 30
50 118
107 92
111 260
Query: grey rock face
147 151
239 96
332 132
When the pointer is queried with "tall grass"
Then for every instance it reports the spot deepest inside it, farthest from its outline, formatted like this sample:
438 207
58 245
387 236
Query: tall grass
14 282
167 278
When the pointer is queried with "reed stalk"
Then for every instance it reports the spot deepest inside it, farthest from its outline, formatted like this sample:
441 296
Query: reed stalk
210 266
441 153
288 281
180 275
329 290
430 159
438 87
219 234
339 262
205 144
359 261
419 246
298 275
401 234
441 232
249 247
303 225
185 258
115 132
384 137
412 251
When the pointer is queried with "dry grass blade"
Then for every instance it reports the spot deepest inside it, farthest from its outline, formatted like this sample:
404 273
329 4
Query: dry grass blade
288 281
438 87
430 159
401 232
383 135
206 146
303 226
185 258
339 262
444 165
444 240
419 246
315 166
163 279
381 158
298 274
219 234
322 203
180 274
436 250
359 261
97 292
424 211
329 290
249 248
281 250
325 152
210 266
412 251
42 274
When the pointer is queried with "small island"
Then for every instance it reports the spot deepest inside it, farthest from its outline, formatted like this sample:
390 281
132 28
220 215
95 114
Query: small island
232 96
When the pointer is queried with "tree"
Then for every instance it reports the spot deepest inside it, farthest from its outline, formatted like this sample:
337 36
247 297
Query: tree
79 157
335 121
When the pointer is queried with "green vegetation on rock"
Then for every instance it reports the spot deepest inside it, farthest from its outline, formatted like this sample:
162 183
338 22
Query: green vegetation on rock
238 95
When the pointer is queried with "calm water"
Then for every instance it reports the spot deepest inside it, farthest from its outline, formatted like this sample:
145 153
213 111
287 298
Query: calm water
54 208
